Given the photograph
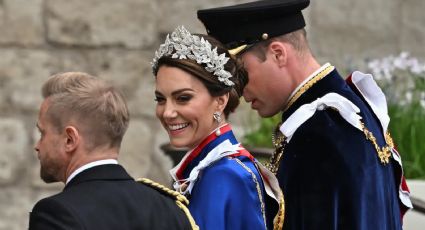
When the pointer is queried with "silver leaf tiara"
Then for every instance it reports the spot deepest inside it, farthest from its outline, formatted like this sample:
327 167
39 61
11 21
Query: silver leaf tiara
183 45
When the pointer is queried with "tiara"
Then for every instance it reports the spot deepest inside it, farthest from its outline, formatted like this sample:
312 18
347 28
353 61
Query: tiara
182 44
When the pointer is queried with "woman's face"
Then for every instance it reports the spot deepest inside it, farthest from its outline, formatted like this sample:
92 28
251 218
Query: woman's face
185 107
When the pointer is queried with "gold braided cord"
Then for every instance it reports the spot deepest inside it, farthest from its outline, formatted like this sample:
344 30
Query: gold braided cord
308 85
189 216
181 200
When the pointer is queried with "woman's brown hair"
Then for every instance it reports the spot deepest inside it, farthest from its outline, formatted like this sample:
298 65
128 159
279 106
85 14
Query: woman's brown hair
210 81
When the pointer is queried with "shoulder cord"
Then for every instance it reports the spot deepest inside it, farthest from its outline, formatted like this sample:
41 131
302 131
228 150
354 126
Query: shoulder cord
181 200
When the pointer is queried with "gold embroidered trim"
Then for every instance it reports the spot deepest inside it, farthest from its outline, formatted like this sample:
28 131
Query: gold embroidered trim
181 200
384 153
257 185
308 85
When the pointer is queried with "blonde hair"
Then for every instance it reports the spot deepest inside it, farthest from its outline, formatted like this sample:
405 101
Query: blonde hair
94 106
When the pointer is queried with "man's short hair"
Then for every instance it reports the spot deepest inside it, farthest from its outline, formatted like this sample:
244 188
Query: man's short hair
297 39
91 104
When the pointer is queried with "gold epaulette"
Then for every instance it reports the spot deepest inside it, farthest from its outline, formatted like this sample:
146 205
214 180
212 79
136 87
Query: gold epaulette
180 200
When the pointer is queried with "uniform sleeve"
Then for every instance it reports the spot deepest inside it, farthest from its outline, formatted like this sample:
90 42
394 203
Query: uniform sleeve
226 197
49 214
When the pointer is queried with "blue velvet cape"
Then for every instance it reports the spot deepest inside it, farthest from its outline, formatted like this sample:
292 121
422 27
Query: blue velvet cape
330 173
225 195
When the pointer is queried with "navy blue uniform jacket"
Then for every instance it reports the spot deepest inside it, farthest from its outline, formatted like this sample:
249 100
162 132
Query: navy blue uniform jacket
330 173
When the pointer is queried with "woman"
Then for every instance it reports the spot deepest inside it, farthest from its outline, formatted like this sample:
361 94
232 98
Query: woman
198 85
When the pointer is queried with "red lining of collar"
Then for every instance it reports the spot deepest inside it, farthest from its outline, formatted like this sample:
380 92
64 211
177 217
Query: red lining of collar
179 174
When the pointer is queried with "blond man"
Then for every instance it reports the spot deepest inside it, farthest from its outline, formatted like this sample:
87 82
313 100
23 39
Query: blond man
82 121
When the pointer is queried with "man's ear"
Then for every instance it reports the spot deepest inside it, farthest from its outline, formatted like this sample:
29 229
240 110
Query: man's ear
279 52
222 102
72 138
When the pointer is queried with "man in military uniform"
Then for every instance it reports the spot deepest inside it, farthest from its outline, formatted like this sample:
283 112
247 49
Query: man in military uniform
82 121
334 157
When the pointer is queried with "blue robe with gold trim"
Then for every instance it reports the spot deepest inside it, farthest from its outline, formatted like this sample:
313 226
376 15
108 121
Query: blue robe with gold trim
330 173
229 193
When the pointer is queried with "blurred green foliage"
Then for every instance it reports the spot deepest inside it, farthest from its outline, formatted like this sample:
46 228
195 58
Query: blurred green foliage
407 128
261 136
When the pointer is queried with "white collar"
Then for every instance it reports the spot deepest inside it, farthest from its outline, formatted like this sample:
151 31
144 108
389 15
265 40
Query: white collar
90 165
308 78
222 150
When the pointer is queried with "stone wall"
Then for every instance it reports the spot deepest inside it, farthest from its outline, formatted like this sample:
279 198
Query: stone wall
116 40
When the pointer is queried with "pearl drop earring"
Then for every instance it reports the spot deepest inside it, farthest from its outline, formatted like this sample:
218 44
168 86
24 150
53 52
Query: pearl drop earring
217 117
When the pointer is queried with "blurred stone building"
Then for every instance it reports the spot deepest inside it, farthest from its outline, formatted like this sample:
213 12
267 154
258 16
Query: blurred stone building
115 39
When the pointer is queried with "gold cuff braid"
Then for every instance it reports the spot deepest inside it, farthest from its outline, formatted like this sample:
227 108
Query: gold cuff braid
181 200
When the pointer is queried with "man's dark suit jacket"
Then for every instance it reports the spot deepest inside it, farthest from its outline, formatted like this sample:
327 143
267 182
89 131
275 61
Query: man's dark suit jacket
106 197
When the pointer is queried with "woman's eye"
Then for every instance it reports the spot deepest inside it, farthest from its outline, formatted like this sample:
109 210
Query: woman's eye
159 100
184 98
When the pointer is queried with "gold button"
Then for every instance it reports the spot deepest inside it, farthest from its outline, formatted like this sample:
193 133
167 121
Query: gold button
264 36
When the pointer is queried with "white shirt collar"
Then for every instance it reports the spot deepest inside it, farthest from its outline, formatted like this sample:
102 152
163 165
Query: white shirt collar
308 78
90 165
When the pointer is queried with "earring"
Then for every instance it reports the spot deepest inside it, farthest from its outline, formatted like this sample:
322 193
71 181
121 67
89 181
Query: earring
217 117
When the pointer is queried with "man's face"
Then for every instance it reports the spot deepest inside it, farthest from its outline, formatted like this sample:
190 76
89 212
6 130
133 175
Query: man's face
49 148
267 89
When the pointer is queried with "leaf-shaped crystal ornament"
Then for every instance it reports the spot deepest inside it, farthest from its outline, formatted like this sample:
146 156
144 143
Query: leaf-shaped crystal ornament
181 44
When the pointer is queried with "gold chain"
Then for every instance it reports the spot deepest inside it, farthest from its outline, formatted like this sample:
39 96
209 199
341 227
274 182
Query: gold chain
308 85
279 142
384 153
